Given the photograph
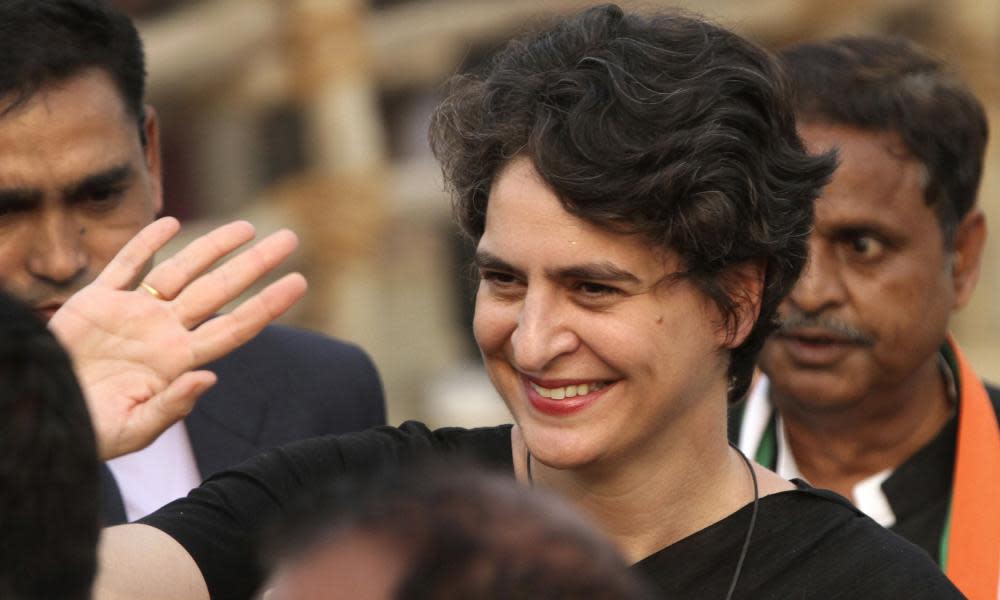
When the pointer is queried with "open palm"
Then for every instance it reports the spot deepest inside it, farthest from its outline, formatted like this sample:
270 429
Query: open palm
136 354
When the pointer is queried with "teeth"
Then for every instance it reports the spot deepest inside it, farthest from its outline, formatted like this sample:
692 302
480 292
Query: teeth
570 391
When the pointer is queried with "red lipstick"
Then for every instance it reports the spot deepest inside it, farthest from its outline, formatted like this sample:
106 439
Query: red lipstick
560 407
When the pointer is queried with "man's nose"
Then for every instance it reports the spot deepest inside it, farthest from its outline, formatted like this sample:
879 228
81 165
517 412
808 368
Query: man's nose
821 285
57 253
544 332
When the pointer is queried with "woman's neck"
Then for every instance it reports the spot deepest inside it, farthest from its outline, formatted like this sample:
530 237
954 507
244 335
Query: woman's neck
673 487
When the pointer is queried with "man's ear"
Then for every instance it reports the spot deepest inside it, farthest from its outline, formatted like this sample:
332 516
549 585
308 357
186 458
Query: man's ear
970 238
151 130
745 284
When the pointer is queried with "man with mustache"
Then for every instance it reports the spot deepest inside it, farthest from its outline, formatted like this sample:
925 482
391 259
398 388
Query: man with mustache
80 175
864 392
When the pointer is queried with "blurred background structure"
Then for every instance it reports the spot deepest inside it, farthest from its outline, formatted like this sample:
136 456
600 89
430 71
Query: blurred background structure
312 114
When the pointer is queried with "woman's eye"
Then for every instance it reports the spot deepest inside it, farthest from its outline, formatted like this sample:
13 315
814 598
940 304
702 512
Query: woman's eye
498 278
596 289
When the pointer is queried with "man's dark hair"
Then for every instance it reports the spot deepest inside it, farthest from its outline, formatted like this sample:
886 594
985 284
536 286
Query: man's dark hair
49 507
463 533
47 41
666 126
890 84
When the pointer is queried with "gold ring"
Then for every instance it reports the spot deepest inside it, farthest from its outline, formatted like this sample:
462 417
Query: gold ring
152 290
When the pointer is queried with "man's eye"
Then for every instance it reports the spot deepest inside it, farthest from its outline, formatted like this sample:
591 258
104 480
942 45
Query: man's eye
12 209
865 247
102 199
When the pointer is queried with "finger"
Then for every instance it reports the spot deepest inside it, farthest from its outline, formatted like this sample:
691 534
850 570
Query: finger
126 266
207 294
221 335
173 274
153 417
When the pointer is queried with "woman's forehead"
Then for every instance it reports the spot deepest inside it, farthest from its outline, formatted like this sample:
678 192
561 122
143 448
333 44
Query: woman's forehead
523 203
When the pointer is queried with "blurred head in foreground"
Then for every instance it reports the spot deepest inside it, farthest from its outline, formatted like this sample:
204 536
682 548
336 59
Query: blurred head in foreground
441 532
48 466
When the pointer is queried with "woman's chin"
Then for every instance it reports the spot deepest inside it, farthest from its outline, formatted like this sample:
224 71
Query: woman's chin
564 452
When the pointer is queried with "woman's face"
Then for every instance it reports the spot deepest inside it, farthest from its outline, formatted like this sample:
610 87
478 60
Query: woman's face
596 350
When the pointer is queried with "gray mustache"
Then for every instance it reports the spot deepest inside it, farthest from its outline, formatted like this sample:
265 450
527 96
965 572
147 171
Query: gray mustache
792 321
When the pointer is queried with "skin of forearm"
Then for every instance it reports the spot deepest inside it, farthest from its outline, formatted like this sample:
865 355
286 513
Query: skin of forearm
139 561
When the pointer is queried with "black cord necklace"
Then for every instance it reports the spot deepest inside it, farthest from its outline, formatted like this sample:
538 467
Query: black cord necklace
753 516
753 522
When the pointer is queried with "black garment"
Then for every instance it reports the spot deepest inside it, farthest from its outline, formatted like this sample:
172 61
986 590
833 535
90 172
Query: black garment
807 543
919 490
283 385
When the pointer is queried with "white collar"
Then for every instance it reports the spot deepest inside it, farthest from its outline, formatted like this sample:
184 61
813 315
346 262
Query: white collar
867 493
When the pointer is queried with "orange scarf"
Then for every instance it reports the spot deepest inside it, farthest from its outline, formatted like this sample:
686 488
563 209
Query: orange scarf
973 536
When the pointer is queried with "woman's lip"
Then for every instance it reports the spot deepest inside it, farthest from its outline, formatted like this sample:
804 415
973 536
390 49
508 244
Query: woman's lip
565 406
558 383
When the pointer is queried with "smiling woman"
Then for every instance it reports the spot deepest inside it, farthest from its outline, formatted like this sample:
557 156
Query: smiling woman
640 202
566 304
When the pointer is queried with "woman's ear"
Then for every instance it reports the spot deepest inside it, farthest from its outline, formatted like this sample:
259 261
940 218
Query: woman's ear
745 285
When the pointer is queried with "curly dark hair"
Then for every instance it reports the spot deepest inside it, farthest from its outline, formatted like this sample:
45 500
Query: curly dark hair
46 41
891 84
663 125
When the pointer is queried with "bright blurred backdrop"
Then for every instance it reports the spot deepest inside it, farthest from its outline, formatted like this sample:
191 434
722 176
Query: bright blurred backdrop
312 114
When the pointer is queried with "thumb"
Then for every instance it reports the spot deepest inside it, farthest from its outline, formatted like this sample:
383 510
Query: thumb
153 417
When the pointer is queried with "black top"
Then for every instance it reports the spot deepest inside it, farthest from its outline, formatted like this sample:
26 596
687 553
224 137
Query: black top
807 543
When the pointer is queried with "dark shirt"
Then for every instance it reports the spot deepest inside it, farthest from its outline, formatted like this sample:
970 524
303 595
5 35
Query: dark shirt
807 543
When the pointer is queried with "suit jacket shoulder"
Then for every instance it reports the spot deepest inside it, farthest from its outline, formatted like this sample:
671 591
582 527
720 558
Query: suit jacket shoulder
285 384
282 386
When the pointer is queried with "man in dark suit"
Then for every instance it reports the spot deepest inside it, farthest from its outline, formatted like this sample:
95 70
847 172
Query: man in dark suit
865 393
79 176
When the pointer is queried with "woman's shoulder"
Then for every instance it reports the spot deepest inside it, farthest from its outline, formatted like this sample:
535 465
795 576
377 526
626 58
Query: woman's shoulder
806 543
813 538
388 444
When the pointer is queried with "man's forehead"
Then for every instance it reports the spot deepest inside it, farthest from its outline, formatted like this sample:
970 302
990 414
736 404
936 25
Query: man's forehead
876 179
66 132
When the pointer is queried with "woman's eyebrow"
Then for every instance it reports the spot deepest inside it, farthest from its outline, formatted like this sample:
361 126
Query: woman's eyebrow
598 271
485 259
595 271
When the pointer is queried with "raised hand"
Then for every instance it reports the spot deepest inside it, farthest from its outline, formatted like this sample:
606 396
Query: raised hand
136 351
